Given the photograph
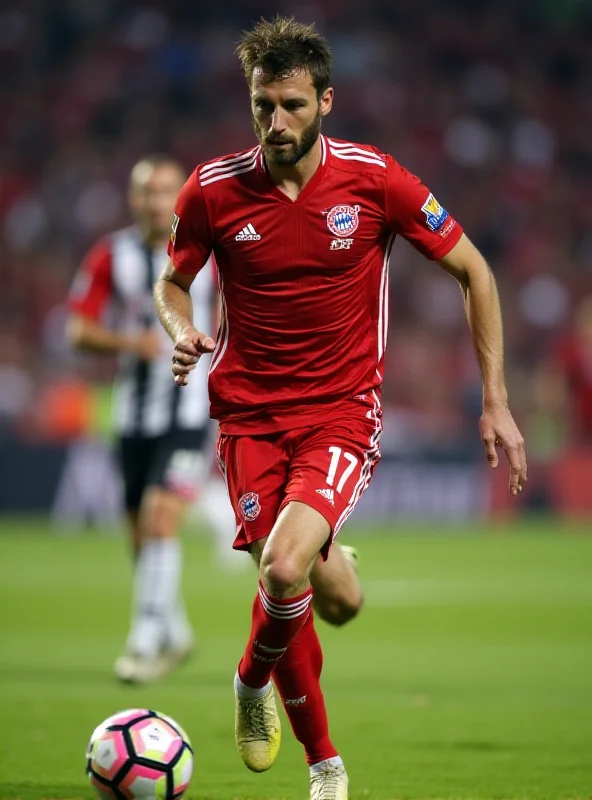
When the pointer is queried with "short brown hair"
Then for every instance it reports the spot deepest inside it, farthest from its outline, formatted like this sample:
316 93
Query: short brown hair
155 161
282 47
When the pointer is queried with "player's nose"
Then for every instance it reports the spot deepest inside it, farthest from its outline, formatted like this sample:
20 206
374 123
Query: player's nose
278 121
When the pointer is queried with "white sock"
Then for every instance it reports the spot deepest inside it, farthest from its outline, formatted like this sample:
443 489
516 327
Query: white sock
156 593
336 761
247 692
217 510
179 630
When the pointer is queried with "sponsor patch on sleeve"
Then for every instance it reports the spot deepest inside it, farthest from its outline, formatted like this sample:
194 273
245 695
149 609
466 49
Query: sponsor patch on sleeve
436 216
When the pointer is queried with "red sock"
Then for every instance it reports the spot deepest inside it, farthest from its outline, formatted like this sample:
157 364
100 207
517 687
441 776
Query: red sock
297 677
274 624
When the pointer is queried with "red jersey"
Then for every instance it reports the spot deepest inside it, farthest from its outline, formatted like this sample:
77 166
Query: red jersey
304 283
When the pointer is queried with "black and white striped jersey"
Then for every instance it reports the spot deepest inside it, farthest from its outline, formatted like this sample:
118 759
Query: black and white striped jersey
119 273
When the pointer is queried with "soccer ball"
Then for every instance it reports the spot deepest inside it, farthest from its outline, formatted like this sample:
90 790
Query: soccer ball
139 754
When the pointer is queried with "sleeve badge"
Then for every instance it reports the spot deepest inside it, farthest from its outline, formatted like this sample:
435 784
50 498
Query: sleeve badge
436 216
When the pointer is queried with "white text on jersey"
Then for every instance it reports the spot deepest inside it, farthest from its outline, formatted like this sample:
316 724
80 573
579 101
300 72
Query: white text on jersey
248 234
341 244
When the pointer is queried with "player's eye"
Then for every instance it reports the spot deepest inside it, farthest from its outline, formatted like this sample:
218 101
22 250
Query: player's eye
263 105
294 105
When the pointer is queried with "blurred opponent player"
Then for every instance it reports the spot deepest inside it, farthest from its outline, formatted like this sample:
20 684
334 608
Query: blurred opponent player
301 227
164 435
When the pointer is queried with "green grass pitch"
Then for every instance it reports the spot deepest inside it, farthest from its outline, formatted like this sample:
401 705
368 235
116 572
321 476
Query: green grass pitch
468 675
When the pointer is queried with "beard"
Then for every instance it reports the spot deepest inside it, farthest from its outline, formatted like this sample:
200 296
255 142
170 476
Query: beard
293 154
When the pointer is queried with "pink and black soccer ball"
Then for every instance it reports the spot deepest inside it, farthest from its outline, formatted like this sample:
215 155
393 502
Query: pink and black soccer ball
139 754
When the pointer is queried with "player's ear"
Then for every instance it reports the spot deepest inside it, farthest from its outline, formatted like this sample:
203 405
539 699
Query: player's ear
326 101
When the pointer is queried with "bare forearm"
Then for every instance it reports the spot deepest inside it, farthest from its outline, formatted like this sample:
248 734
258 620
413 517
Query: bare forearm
84 334
465 263
485 321
173 306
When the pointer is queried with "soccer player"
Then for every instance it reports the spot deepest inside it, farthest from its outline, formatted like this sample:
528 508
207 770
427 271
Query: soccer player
165 439
302 227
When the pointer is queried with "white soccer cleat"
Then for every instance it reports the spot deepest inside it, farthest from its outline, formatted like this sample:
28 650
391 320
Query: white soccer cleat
177 652
132 668
328 782
351 555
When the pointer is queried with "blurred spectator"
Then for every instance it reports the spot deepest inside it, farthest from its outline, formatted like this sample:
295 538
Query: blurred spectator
16 384
488 103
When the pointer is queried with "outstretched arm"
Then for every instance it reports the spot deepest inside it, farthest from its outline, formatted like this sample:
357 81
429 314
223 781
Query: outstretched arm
465 263
91 293
175 311
85 333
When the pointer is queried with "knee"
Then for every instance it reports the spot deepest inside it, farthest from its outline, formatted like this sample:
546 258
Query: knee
154 527
339 610
282 577
156 520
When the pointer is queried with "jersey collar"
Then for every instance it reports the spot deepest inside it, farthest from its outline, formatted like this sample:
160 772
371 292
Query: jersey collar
310 186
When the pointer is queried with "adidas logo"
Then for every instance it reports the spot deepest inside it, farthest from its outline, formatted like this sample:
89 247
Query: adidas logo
328 494
248 234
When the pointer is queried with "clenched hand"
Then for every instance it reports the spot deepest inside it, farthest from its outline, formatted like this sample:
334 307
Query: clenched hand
189 348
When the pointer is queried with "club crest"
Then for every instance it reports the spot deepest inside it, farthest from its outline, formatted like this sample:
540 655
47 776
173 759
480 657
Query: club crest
249 506
343 220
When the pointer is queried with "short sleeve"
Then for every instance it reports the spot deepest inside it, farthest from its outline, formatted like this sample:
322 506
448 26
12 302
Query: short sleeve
413 211
92 287
191 235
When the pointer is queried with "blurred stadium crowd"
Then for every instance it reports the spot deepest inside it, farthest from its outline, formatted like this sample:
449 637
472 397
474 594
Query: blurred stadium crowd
488 102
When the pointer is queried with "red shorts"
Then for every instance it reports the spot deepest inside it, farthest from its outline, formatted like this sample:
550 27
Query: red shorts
326 466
